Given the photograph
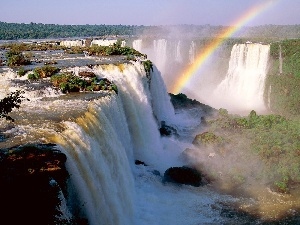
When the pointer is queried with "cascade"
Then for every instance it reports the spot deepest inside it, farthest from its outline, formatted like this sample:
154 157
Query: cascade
161 102
133 86
101 138
192 52
98 148
160 53
137 45
243 86
178 56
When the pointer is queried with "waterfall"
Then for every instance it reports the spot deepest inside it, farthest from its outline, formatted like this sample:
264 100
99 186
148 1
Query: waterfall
137 45
99 166
162 106
192 52
178 56
160 52
133 86
243 86
280 60
102 144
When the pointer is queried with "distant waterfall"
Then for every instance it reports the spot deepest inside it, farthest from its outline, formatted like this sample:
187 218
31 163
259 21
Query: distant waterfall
160 51
243 86
137 45
178 56
192 52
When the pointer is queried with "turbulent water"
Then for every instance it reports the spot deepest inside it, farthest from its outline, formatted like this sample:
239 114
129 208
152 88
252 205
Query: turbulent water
103 134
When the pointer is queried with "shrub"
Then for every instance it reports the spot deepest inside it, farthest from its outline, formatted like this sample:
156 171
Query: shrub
16 59
21 72
148 65
33 76
46 71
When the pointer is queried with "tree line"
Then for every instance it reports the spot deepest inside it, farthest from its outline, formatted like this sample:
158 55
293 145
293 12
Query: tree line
14 31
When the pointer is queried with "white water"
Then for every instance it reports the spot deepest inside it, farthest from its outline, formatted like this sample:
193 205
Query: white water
102 144
161 101
192 52
99 155
243 87
137 45
101 148
178 54
160 52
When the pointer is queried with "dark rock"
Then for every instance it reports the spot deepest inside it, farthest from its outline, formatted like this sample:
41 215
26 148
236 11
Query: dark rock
183 175
138 162
166 130
27 175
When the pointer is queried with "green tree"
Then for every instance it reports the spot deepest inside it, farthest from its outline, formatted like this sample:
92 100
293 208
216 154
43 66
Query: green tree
7 104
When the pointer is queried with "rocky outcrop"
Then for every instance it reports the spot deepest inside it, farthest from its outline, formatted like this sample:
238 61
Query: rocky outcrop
166 130
183 175
32 177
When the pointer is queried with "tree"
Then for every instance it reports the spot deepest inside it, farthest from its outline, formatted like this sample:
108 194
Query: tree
7 104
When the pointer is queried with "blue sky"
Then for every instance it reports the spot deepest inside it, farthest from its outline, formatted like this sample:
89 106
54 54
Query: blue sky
146 12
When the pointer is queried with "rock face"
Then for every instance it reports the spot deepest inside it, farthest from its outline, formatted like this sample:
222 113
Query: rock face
31 179
183 175
166 130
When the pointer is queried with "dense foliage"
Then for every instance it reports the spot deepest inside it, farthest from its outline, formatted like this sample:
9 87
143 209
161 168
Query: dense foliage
282 87
14 31
16 58
274 139
68 82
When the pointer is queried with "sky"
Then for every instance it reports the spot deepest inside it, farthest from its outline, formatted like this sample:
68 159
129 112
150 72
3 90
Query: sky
146 12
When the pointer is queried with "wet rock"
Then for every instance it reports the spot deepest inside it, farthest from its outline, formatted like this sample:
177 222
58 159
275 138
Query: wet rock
27 177
138 162
183 175
166 130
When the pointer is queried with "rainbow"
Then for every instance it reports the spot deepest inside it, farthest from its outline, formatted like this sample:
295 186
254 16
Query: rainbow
190 71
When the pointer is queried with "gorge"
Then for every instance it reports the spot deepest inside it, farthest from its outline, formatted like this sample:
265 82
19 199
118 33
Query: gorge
103 133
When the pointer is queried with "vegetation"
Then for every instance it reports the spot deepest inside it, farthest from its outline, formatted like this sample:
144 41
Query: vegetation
282 87
7 104
115 49
148 65
68 82
16 58
14 31
94 50
274 139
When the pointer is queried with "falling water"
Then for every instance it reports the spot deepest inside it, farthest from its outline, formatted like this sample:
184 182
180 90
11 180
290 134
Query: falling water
162 107
243 86
192 52
178 56
160 52
137 45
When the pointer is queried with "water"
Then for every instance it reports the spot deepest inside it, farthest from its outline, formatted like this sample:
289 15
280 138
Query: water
103 136
241 89
244 84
